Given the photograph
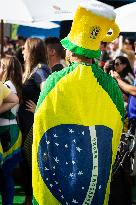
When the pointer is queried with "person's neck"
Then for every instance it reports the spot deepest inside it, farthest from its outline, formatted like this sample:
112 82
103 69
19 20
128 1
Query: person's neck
81 60
54 61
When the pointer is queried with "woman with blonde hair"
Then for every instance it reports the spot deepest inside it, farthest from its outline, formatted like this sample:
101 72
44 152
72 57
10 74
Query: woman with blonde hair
10 135
36 72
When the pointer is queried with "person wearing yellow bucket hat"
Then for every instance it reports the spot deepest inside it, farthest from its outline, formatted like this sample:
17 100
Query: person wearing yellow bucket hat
79 118
91 23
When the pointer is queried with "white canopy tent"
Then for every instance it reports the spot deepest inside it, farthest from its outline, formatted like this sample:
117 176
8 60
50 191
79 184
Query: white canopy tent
126 17
36 13
37 10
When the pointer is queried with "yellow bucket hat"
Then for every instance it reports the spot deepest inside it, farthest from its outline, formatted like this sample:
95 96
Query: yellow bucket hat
92 21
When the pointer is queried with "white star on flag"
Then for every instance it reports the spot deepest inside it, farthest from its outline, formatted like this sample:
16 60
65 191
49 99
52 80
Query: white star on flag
56 159
78 149
62 197
55 135
57 144
74 201
48 142
80 173
46 169
66 145
56 182
71 131
83 133
51 185
71 175
73 162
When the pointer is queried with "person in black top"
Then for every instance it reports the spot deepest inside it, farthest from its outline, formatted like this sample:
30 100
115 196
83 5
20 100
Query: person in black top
55 53
36 72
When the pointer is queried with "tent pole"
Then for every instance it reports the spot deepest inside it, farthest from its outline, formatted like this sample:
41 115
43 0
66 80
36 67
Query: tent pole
2 36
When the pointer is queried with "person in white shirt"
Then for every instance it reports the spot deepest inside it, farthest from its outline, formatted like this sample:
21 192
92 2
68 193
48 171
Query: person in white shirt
10 135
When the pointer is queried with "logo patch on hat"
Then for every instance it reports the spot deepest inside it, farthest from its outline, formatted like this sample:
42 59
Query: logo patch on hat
95 31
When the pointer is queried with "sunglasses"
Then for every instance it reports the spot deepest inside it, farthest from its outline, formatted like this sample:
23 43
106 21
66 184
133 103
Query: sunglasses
117 64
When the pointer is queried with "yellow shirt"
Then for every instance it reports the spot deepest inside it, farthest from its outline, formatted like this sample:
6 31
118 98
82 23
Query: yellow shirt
4 92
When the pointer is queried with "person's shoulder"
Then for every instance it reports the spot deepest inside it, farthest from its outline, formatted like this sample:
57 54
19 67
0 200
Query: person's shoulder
42 68
4 91
55 77
8 83
110 86
11 86
105 79
51 82
57 67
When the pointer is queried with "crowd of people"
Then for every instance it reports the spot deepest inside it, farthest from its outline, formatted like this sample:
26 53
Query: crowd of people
25 79
24 69
27 86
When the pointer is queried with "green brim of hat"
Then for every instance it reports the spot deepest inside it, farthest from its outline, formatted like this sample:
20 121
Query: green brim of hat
67 44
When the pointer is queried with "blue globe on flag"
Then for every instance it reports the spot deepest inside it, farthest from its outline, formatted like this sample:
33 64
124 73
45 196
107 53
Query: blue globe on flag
80 174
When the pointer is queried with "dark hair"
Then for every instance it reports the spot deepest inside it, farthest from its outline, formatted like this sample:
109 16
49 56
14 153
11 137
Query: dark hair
52 40
13 72
36 54
21 38
103 43
13 43
110 66
131 42
127 69
54 43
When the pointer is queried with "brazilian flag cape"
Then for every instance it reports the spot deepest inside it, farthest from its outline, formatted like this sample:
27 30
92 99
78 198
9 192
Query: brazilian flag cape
77 128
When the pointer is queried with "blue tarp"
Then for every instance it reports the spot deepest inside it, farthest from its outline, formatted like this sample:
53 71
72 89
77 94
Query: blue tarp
27 31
